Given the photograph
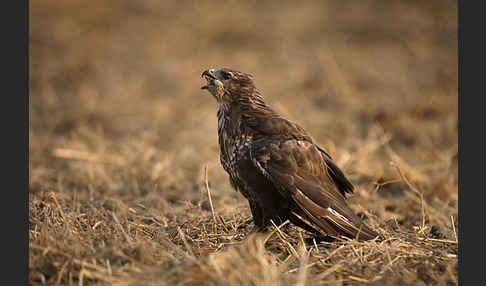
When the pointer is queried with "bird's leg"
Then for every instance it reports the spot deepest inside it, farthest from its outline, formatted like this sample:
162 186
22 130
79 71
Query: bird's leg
273 209
268 217
256 212
261 221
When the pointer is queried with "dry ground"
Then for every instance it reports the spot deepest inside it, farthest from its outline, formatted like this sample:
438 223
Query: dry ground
123 143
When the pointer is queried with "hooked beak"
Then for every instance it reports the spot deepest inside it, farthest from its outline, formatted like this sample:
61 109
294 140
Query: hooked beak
209 75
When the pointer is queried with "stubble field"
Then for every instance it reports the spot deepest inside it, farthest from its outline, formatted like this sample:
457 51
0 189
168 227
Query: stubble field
126 187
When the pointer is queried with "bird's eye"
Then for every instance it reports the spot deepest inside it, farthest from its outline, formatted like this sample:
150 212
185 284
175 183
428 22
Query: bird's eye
226 75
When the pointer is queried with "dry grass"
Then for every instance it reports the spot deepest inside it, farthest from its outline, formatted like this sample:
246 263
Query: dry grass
125 182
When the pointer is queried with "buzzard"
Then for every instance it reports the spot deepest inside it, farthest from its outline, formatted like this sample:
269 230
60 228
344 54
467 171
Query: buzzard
276 164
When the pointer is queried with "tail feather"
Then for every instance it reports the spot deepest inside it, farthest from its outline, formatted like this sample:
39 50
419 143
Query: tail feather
333 222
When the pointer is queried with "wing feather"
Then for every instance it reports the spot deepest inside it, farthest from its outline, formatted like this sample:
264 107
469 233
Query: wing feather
276 125
344 185
301 173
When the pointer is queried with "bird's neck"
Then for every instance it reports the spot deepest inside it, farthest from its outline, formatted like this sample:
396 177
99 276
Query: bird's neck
243 117
245 107
253 102
228 118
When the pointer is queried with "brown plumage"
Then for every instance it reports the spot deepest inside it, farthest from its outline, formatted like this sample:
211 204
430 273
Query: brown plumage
276 164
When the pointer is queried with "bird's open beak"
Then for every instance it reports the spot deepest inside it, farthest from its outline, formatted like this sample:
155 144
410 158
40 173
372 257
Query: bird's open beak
209 76
209 73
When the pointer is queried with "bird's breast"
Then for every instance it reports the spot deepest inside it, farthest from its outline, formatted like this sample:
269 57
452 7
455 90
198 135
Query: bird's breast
234 144
233 147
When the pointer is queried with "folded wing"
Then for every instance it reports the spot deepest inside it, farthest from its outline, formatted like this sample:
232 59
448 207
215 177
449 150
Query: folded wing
306 175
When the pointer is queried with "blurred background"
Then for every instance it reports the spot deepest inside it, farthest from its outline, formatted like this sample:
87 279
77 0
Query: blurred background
116 107
122 139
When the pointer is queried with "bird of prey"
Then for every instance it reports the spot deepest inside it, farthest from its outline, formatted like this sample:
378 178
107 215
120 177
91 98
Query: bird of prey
276 164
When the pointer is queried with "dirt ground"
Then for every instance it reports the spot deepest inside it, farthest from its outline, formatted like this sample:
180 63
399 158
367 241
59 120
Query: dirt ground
126 187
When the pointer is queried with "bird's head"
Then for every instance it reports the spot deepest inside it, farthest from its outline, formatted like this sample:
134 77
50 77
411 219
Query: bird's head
227 85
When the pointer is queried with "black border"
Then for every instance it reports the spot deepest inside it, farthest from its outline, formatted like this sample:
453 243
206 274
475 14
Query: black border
471 110
15 141
26 63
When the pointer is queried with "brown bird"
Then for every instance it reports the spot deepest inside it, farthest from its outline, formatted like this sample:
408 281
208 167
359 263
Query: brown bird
276 164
